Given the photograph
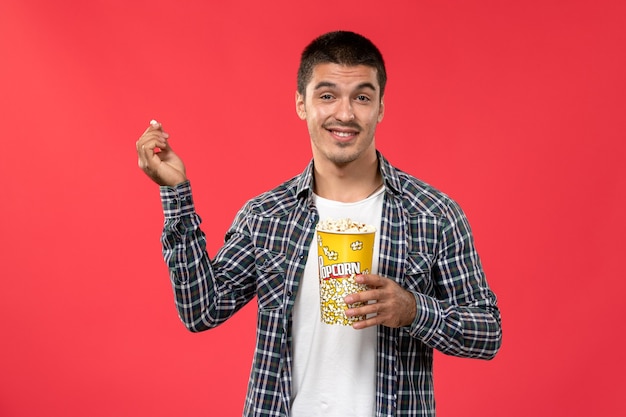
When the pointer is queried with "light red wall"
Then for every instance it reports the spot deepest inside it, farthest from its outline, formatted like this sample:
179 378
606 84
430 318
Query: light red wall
515 109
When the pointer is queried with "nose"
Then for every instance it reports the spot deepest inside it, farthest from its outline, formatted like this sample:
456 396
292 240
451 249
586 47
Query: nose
344 111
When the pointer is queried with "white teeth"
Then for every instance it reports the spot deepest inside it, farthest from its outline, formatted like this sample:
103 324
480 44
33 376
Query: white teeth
343 134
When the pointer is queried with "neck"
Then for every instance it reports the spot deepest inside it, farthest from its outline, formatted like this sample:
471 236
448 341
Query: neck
349 183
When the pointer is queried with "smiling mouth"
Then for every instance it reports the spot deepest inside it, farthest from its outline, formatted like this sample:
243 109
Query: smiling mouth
342 134
343 131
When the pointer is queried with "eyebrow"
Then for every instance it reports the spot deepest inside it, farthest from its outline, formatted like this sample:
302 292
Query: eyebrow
324 84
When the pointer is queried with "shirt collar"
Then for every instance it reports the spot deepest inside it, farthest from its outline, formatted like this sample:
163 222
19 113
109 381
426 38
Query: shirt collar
391 179
389 173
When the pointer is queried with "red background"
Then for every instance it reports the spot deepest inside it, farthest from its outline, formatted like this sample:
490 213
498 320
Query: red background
515 109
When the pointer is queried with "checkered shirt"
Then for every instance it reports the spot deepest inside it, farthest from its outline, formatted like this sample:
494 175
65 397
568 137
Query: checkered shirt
426 245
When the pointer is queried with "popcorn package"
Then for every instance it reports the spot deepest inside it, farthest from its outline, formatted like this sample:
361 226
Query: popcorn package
345 250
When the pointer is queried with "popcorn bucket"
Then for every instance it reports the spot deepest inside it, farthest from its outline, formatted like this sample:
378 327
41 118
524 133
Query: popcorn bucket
341 257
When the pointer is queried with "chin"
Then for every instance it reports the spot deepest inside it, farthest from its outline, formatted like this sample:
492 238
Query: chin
343 159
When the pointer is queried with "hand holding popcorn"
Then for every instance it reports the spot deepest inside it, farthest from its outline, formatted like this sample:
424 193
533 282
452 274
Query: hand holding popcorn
393 306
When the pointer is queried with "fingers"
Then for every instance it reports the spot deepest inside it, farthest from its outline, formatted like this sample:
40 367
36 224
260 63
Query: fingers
374 321
156 158
151 143
371 280
391 305
374 282
154 125
155 133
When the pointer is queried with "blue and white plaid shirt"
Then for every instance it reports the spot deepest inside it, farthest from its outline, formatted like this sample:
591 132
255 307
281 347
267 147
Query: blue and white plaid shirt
426 245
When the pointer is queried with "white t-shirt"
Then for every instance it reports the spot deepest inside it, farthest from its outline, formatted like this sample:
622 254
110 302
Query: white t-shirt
334 366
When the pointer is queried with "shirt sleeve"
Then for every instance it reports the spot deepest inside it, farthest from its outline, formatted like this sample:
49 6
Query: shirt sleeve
463 319
207 292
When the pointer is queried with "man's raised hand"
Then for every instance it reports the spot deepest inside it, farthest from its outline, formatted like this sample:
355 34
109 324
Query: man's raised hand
157 159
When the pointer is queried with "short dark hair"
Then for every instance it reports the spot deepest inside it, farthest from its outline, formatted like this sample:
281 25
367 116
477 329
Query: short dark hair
343 48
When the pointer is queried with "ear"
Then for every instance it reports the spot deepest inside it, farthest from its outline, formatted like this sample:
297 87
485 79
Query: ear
300 107
381 110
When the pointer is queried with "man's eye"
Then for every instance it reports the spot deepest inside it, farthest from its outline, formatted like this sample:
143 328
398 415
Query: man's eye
362 98
326 96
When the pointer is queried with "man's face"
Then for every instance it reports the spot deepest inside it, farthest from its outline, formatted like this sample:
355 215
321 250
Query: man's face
342 107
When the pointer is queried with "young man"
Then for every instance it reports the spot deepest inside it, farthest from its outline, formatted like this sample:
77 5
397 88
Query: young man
427 289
